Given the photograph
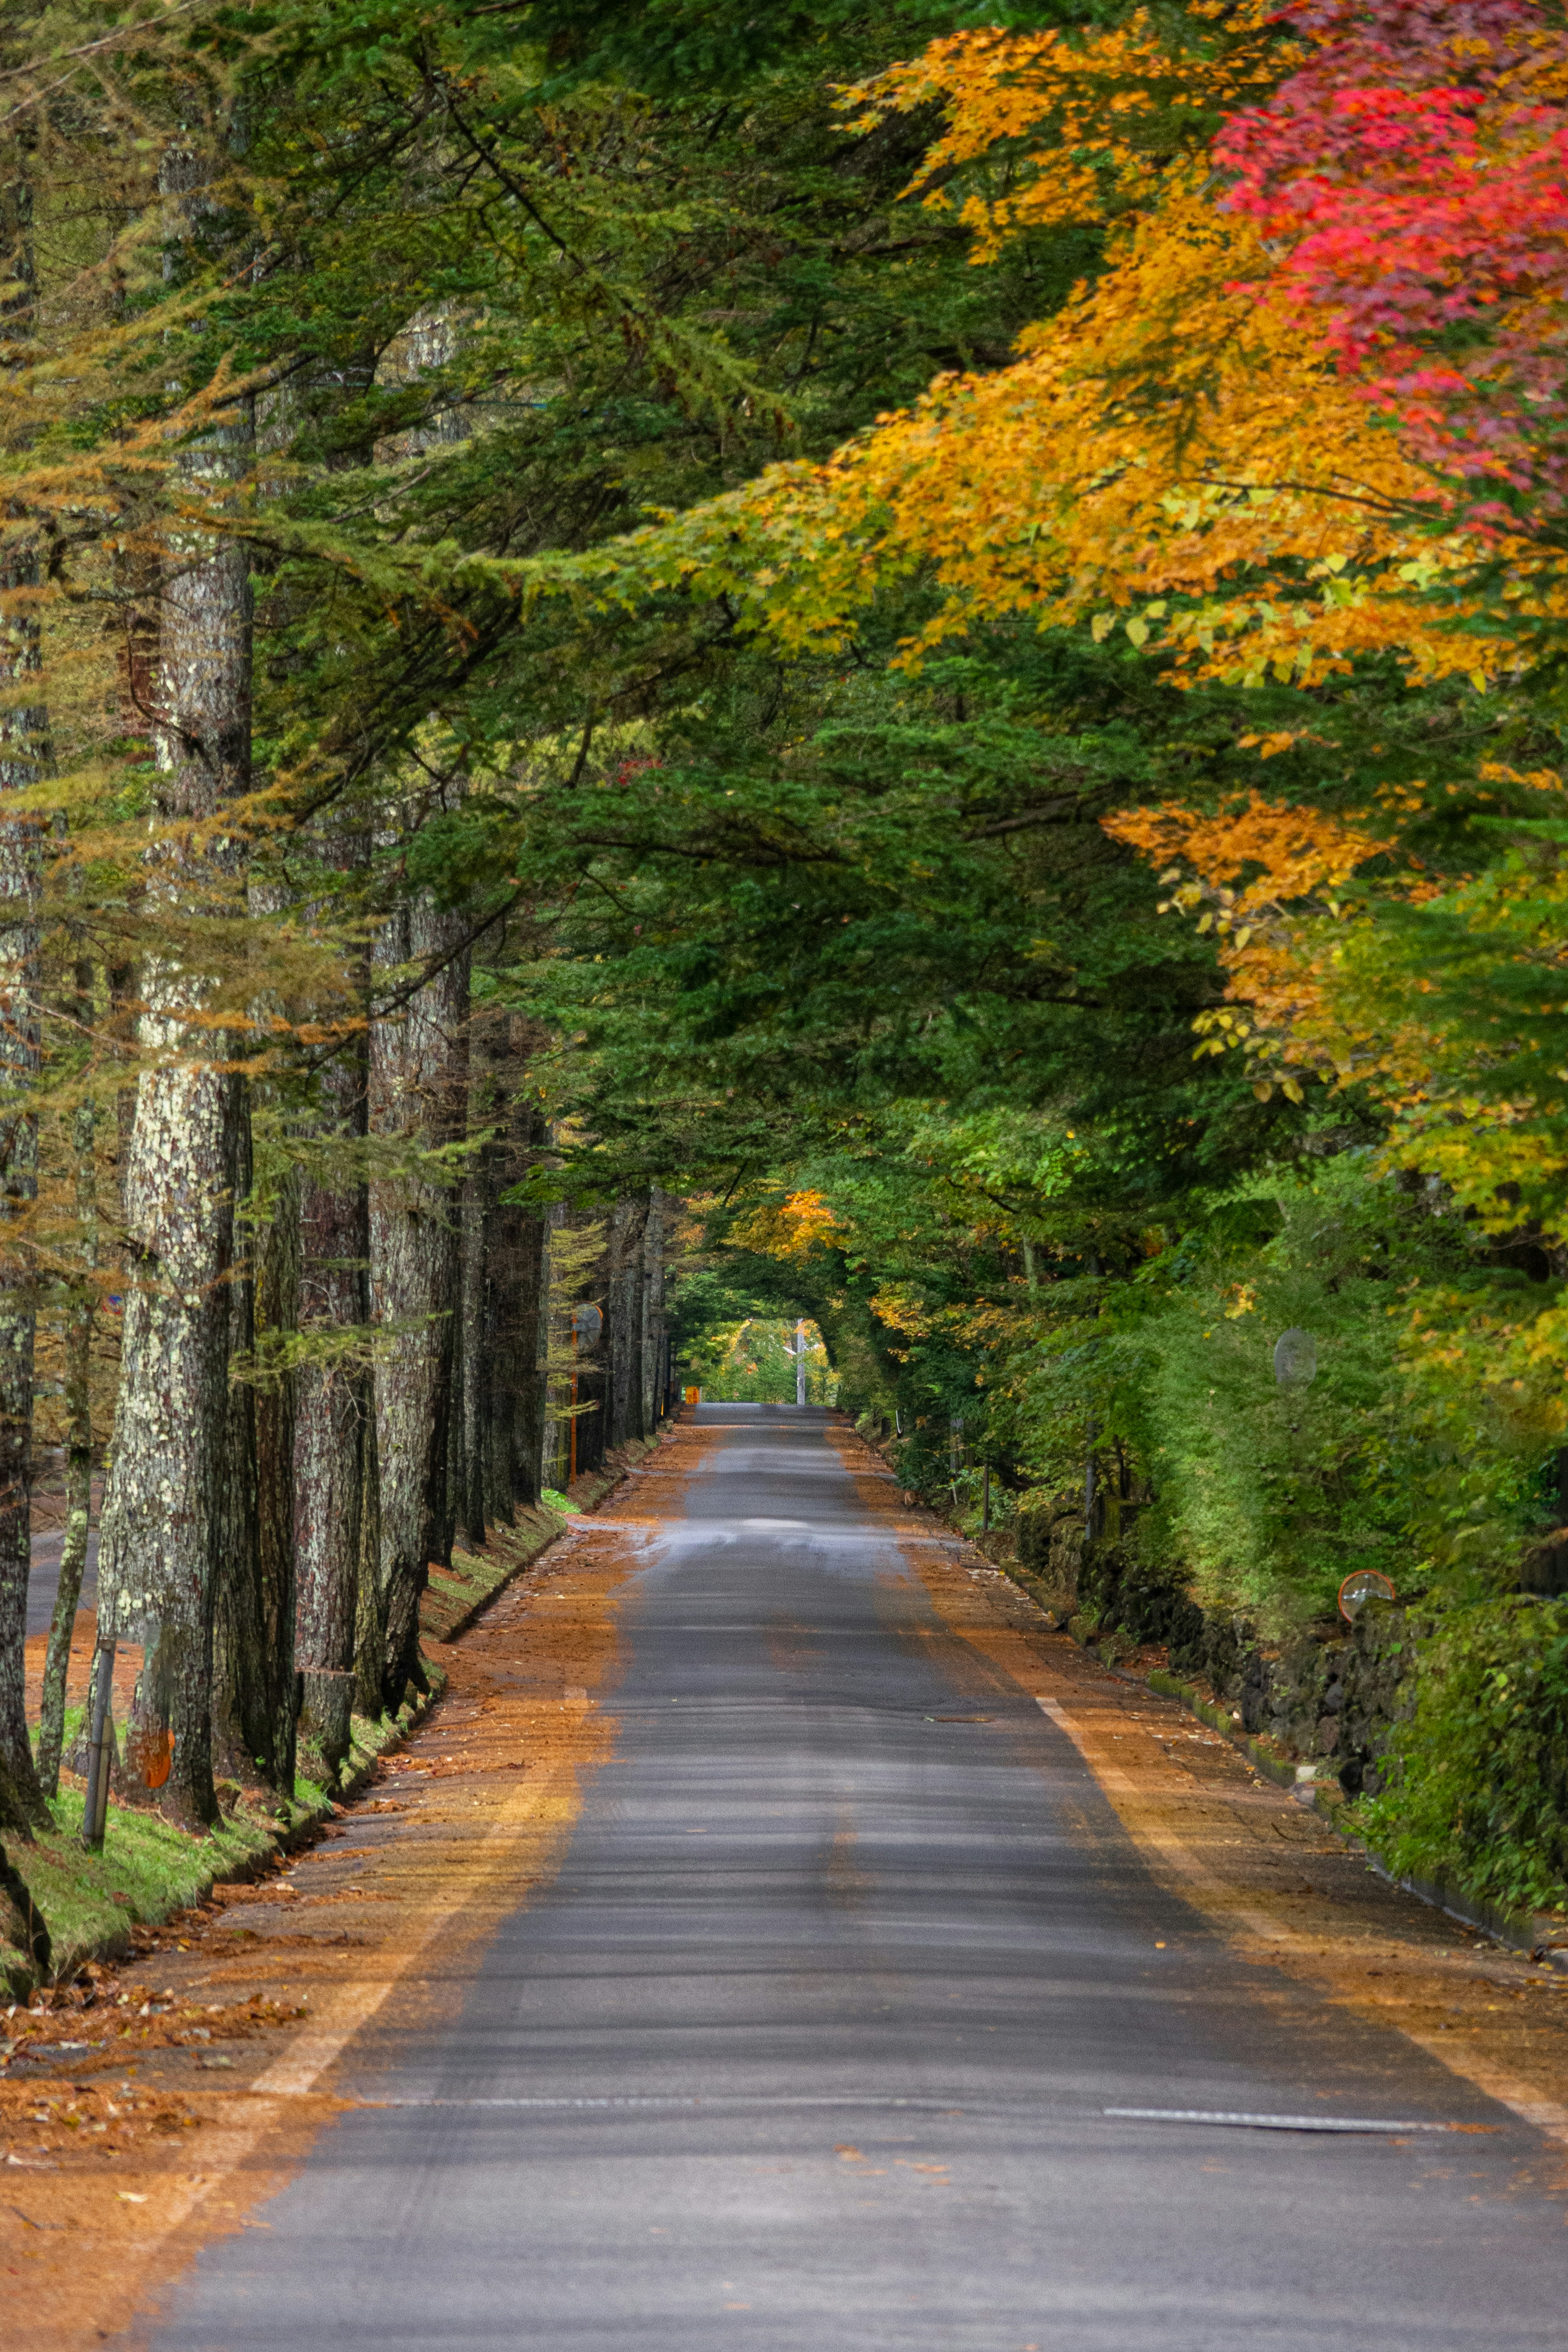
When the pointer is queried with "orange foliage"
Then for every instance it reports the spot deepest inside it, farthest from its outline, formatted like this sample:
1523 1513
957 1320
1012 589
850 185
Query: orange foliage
1175 454
1271 881
1110 108
797 1228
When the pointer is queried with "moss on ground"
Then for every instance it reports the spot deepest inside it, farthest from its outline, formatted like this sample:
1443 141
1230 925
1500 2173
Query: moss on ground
454 1595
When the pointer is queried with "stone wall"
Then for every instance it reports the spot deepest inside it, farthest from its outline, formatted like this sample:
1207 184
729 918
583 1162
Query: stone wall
1329 1696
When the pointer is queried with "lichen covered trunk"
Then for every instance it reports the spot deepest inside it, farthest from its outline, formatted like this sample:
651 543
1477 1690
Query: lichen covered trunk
23 726
166 1508
80 1317
19 897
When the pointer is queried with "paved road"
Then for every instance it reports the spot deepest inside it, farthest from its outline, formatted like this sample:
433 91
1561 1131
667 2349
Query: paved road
834 2076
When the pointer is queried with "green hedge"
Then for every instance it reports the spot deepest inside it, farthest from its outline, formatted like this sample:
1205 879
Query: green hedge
1479 1793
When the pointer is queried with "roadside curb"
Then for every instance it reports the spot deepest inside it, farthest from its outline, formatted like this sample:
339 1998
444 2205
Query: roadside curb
19 1980
1521 1932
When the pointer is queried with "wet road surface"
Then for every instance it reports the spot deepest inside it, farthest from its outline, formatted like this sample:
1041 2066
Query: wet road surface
815 2040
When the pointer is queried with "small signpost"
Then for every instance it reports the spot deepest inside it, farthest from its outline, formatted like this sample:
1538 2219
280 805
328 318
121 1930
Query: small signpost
100 1747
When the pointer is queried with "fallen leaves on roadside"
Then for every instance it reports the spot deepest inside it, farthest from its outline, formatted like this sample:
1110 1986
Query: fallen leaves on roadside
139 2019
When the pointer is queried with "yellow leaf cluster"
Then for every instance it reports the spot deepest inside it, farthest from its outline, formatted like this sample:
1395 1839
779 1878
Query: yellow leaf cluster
796 1228
1107 109
1177 447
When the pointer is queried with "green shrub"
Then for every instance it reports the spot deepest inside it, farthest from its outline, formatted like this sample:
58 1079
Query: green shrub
1269 1495
1478 1789
1263 1497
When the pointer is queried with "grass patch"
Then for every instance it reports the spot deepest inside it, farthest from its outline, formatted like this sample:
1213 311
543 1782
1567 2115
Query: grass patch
147 1869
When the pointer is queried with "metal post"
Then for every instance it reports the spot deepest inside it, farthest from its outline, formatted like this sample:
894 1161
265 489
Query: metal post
100 1749
572 1479
985 1500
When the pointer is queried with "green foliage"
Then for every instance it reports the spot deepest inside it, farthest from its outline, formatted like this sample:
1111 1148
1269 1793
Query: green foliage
1265 1495
1479 1794
753 1363
1271 1492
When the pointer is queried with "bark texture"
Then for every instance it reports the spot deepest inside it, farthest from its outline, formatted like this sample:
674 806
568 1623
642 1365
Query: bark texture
472 1401
332 1413
515 1295
253 1617
80 1317
21 733
418 1098
164 1511
30 1933
653 1305
624 1318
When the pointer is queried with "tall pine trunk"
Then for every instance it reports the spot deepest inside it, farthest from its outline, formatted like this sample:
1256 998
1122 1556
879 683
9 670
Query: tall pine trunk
333 1405
514 1294
81 1310
653 1312
253 1612
476 1370
418 1096
624 1318
21 733
164 1511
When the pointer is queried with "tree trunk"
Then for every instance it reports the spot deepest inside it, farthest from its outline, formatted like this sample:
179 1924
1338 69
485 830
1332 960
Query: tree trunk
332 1413
160 1551
471 1348
503 1258
22 750
516 1291
277 1317
653 1312
32 1936
623 1319
253 1617
80 1316
418 1096
239 1725
530 1401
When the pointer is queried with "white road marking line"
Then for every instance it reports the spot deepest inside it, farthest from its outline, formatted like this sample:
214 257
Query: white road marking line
1273 2123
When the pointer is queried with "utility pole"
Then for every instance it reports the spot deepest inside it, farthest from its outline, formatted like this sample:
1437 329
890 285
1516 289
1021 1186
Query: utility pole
798 1352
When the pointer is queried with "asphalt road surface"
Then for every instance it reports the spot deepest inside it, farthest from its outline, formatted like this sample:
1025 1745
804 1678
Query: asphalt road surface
814 2040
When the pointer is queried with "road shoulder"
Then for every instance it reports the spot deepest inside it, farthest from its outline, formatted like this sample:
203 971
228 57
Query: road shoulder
1258 1865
